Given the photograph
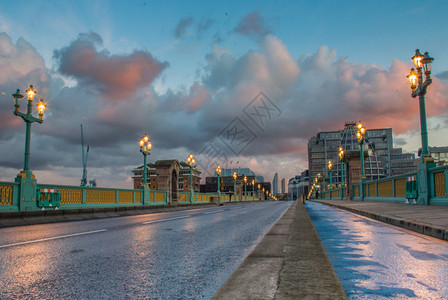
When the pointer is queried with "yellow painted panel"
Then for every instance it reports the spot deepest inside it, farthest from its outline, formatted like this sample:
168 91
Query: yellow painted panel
160 197
100 197
439 184
385 189
125 197
372 192
182 197
70 196
6 194
400 187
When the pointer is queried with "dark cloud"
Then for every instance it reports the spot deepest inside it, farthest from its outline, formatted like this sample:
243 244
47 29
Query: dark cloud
115 76
182 27
253 25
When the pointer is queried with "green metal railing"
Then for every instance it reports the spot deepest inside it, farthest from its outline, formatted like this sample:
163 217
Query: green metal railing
78 197
393 189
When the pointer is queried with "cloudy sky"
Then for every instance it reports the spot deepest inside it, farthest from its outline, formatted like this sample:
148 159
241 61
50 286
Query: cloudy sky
240 83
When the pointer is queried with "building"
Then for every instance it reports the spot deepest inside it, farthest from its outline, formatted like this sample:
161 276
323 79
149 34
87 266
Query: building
154 180
440 155
402 163
283 186
298 185
275 184
227 182
381 159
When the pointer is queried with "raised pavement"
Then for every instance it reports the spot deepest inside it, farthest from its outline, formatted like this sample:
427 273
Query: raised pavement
430 220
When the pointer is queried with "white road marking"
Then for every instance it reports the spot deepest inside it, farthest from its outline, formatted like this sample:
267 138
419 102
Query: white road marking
52 238
163 220
213 212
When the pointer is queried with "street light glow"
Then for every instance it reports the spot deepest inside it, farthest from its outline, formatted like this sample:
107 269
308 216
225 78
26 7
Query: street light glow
417 58
41 108
31 93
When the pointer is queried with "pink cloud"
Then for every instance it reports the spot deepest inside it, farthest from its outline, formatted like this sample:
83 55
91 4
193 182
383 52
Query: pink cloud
117 76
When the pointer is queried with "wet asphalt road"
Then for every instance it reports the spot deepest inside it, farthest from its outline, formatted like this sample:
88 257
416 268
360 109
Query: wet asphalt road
171 255
378 261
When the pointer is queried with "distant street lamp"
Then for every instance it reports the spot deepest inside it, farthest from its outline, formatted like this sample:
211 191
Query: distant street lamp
145 149
28 118
259 191
329 171
419 89
253 189
218 172
190 162
360 135
245 188
341 158
234 184
263 194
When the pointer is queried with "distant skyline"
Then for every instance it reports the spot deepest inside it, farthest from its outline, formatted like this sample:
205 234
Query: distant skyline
194 75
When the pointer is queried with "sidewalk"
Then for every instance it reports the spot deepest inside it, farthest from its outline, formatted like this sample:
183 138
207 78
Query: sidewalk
426 219
289 263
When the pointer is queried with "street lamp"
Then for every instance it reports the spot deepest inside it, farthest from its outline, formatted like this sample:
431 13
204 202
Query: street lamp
253 189
234 184
28 118
360 134
263 194
245 188
145 149
259 191
218 172
419 89
341 154
190 162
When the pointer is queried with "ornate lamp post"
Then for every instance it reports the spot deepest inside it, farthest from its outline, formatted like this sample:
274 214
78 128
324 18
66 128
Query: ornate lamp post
28 118
263 194
245 188
259 191
145 149
341 157
218 172
329 171
26 179
360 134
234 184
190 161
253 189
419 89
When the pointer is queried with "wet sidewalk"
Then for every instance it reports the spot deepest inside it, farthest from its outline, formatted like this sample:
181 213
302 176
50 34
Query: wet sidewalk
425 219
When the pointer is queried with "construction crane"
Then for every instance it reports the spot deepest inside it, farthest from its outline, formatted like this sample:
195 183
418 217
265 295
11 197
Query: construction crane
84 160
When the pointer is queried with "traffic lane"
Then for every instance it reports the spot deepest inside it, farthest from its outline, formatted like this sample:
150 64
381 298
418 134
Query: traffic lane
22 234
180 258
379 261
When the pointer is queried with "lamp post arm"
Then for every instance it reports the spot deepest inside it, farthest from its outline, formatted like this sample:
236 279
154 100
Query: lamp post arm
28 118
422 88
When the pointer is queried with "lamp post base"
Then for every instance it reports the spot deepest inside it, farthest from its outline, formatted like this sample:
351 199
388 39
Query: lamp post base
423 181
27 191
